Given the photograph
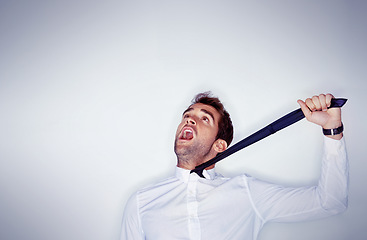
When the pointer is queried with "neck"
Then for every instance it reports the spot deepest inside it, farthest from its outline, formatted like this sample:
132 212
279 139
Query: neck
190 165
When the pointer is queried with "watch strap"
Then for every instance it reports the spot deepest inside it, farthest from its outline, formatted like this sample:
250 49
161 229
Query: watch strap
333 131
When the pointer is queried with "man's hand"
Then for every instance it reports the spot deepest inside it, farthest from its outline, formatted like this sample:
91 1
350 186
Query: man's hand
315 111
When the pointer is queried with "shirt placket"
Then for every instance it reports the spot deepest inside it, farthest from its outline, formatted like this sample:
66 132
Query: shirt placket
192 208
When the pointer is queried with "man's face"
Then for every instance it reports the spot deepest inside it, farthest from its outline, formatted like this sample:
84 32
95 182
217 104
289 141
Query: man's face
197 132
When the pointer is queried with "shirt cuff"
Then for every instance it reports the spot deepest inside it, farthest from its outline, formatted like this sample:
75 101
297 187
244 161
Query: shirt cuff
333 146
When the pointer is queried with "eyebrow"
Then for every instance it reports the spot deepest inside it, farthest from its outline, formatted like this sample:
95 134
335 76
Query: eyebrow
203 110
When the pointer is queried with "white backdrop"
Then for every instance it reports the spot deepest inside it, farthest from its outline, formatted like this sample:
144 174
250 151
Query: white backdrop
91 93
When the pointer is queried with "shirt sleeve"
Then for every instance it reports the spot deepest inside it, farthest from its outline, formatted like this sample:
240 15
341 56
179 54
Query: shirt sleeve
131 227
284 204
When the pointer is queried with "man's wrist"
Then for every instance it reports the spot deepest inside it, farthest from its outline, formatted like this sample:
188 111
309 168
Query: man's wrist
333 124
334 133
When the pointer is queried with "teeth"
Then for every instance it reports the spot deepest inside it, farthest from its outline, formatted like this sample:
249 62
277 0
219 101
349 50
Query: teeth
187 131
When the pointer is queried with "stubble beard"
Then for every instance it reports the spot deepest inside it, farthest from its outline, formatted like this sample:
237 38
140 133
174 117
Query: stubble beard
191 154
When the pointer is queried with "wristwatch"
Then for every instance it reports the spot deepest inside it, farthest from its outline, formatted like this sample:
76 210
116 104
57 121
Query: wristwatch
334 131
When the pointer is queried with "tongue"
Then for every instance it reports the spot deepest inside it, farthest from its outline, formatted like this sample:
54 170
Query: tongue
188 135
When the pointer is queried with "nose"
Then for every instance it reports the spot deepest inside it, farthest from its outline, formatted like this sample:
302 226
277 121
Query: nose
190 121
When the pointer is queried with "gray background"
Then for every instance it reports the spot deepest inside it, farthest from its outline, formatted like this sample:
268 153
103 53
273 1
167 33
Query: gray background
91 93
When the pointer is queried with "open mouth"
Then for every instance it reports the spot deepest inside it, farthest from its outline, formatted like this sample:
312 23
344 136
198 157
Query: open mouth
187 133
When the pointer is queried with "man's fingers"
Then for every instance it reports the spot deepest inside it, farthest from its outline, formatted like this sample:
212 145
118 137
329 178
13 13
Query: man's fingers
322 99
306 110
327 118
320 102
310 104
328 99
317 103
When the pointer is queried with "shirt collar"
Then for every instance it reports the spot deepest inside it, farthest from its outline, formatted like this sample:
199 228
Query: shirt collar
184 174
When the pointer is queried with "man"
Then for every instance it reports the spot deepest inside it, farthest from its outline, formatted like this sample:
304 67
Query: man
186 206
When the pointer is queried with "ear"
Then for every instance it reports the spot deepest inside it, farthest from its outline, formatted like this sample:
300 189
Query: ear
220 145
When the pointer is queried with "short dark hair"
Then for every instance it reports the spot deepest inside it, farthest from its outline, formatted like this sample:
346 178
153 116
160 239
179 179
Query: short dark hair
225 127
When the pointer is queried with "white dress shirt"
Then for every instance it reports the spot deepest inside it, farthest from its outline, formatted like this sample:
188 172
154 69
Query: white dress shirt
186 206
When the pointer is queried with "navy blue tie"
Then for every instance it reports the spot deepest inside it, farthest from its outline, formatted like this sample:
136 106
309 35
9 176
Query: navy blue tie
273 127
